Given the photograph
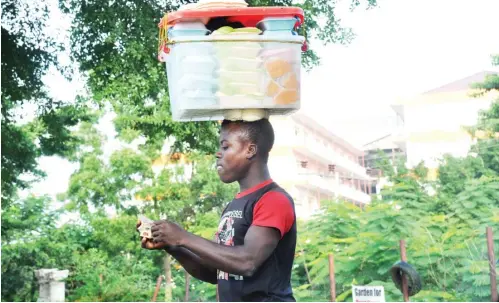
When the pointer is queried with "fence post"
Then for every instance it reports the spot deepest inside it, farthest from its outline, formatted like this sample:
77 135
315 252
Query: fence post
403 257
492 265
187 282
332 280
158 285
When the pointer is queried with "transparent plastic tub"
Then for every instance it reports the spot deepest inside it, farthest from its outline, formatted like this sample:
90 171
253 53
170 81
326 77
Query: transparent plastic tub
208 75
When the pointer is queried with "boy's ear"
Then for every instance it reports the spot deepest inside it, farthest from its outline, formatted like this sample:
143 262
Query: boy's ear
252 150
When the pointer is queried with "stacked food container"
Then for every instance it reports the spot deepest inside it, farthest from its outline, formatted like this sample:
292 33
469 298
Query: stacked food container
239 63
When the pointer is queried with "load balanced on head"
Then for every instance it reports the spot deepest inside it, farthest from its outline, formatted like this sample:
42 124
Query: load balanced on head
225 60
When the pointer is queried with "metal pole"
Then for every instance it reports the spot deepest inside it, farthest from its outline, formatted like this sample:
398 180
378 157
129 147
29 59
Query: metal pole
492 266
403 257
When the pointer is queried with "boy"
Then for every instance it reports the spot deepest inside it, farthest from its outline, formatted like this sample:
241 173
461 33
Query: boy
255 244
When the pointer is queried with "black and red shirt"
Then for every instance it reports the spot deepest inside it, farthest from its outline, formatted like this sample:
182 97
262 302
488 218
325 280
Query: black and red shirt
266 205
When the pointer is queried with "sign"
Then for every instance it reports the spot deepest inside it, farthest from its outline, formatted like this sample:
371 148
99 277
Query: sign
368 293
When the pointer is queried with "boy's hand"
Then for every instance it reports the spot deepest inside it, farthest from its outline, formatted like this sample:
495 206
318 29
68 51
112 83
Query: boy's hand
166 232
148 243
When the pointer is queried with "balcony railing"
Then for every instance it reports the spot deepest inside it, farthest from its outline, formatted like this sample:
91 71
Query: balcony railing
314 180
330 156
329 185
353 194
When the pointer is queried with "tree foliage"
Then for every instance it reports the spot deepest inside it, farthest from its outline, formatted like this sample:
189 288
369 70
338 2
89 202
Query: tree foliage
28 51
444 231
114 45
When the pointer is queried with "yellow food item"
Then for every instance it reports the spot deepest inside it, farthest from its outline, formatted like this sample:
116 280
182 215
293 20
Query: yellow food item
249 114
277 68
291 82
286 96
272 88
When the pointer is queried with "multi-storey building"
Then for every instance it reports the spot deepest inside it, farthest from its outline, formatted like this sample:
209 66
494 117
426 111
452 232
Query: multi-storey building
309 161
433 123
377 150
314 164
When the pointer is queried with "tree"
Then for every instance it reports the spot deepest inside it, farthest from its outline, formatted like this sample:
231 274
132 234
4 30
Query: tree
27 53
122 66
28 231
183 187
444 231
487 128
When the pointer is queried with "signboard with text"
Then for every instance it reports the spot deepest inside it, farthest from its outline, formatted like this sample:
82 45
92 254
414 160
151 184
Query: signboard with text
368 293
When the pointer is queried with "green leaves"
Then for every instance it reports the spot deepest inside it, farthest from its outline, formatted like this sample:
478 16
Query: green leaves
444 233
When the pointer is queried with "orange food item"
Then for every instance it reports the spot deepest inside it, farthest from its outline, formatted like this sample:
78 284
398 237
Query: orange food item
272 88
286 96
277 68
291 82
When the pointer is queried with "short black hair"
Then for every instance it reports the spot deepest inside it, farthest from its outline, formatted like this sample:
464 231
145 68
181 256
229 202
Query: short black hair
259 132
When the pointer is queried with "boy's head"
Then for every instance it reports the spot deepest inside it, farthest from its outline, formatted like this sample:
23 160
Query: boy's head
242 145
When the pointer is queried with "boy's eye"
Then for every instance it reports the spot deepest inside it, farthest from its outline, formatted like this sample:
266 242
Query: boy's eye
225 147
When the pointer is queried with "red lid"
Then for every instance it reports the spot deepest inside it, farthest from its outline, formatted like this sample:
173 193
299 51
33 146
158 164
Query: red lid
248 16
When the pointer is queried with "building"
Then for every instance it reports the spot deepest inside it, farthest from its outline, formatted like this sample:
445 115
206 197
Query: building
313 164
309 161
386 146
390 150
433 123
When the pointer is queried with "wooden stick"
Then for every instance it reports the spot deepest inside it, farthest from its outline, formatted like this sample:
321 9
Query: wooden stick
492 265
187 282
306 267
403 257
332 280
168 278
156 290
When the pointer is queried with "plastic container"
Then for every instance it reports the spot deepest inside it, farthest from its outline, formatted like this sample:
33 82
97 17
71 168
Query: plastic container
210 76
189 25
277 24
173 33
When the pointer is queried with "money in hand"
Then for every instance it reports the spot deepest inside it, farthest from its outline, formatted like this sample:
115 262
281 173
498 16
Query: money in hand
145 227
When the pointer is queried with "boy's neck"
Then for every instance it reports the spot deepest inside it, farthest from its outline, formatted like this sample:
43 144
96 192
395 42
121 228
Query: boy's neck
256 175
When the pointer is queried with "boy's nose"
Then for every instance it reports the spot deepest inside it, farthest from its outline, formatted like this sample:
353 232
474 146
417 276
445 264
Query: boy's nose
218 155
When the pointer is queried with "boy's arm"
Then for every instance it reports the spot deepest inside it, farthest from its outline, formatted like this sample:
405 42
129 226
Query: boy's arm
273 216
259 243
193 264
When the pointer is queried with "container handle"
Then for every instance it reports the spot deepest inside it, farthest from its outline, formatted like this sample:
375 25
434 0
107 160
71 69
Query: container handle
304 46
163 48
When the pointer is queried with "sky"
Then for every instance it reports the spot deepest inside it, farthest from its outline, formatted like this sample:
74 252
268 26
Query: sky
402 48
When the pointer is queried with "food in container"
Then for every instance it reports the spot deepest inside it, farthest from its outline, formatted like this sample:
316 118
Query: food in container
277 67
189 82
287 96
254 77
239 65
204 65
242 63
246 114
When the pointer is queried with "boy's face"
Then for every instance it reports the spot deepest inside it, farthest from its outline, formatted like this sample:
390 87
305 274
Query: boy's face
234 155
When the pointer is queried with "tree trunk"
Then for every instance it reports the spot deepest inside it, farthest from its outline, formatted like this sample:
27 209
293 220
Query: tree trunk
168 275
